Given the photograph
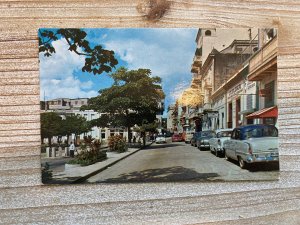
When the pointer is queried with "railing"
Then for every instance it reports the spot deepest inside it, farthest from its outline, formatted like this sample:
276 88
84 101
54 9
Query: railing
197 60
194 69
264 54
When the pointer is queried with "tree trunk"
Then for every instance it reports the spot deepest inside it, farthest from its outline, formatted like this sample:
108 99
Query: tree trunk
144 138
68 139
129 134
49 141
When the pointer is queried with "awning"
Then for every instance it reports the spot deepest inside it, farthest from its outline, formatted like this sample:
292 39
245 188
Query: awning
264 113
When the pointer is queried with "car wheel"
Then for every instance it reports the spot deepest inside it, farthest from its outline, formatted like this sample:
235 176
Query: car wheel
226 157
242 163
217 154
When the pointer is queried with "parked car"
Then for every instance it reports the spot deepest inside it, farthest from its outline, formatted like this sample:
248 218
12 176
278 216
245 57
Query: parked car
203 138
253 144
160 139
193 140
188 136
216 143
177 137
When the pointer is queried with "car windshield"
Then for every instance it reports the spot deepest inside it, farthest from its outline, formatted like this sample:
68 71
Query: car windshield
160 135
196 134
267 131
207 134
224 134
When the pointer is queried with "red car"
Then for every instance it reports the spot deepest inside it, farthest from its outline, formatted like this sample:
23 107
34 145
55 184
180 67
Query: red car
177 137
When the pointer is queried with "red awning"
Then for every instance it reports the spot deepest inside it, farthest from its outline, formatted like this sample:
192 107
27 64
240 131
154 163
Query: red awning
264 113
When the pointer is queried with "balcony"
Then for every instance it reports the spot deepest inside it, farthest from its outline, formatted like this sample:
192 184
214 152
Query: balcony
195 69
264 62
197 60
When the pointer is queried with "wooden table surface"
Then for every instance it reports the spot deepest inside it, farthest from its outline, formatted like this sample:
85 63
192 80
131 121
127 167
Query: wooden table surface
23 198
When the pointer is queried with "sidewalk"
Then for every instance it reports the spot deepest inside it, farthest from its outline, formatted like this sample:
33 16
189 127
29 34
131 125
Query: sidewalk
77 174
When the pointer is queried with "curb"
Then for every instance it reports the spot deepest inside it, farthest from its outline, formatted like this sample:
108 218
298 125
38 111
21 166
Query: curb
81 179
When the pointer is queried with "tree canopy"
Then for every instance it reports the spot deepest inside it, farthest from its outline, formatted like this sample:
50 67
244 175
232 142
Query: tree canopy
133 99
53 125
97 59
50 125
74 124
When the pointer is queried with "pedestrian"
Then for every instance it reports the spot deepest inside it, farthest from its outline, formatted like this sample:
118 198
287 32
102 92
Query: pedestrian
72 149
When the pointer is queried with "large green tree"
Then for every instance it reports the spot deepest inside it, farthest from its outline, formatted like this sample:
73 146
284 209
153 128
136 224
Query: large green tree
74 124
51 124
133 99
97 59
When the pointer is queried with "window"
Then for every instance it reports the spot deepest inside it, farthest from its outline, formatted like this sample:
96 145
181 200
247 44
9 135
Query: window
208 33
237 110
224 134
266 131
229 125
270 94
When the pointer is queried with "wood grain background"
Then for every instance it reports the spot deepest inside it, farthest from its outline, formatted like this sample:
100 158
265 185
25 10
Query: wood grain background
23 198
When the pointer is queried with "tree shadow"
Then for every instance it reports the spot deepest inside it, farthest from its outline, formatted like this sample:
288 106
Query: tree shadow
159 146
170 174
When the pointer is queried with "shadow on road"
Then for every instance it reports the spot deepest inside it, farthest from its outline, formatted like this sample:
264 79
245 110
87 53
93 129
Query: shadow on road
258 167
169 174
271 166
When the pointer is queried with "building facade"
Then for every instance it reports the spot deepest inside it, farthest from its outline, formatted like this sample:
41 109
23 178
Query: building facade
237 74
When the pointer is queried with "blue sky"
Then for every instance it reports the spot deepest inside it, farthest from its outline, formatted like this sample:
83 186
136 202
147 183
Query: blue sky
168 53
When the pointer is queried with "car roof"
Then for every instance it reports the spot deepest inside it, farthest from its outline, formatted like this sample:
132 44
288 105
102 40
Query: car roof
220 130
253 126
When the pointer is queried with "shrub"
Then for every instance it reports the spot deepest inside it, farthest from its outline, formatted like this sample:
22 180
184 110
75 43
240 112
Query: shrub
117 144
90 153
46 173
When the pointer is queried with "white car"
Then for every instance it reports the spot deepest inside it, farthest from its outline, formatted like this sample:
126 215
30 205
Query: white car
216 143
160 139
253 144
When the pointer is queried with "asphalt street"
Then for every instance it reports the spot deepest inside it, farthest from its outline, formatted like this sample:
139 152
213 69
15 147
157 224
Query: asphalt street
180 162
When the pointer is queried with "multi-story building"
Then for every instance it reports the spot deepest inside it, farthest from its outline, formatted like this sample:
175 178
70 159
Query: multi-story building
250 95
220 53
170 118
237 74
263 70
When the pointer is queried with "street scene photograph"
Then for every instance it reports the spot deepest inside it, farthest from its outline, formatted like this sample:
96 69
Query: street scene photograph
158 105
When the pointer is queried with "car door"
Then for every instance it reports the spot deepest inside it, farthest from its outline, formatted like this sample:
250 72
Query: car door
229 144
237 144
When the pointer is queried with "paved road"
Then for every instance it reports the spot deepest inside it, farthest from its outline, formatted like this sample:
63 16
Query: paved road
179 162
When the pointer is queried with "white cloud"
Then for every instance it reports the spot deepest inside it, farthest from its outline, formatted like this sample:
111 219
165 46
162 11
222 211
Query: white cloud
167 52
178 90
170 52
57 74
67 88
60 64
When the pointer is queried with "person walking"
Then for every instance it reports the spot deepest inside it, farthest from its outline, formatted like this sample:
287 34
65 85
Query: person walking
72 149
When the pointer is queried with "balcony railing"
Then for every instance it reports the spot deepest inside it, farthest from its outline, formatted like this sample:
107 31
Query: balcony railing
197 60
266 53
195 69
